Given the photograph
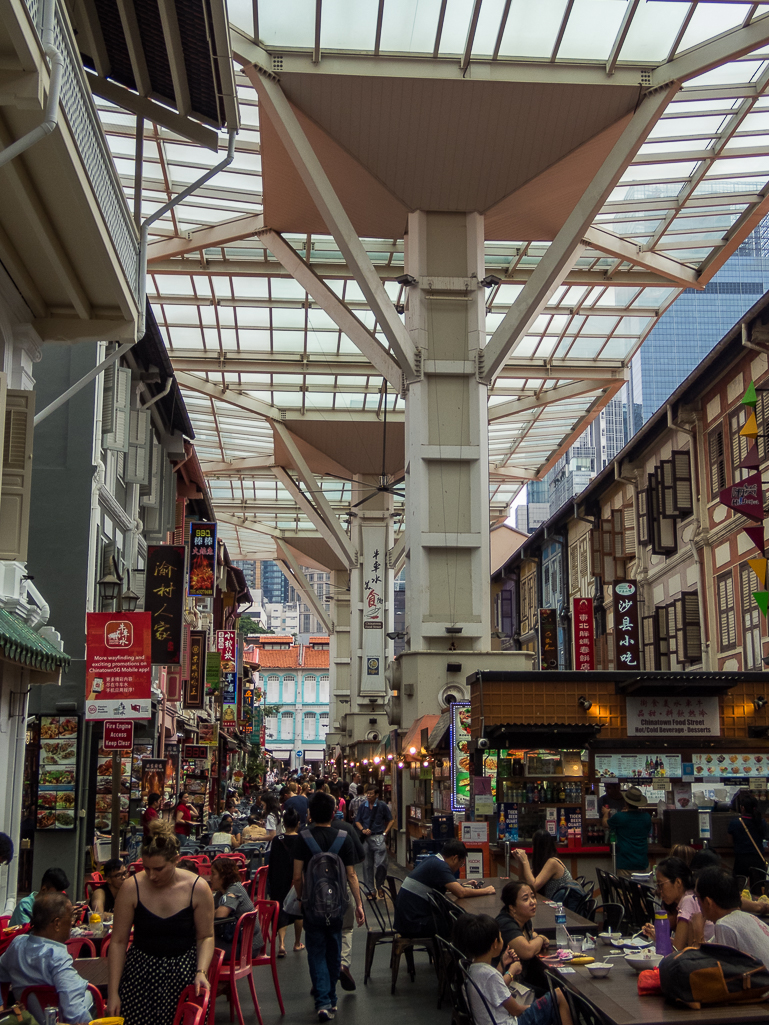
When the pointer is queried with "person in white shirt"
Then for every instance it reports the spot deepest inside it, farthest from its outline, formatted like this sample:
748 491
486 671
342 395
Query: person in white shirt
719 895
491 1002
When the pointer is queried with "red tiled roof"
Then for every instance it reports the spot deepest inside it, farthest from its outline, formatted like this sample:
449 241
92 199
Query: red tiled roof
273 639
278 659
320 640
314 659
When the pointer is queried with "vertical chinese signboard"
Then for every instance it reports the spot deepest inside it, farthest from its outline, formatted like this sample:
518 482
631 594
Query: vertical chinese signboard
118 665
195 689
460 759
226 646
374 582
202 578
548 639
164 600
626 633
584 641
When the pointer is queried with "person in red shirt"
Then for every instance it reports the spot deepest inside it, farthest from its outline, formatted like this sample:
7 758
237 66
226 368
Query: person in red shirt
185 812
150 813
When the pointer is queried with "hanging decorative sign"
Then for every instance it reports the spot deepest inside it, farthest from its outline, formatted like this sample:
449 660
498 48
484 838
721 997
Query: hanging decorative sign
584 642
548 639
626 632
164 600
373 601
202 578
226 645
746 497
195 691
756 535
459 737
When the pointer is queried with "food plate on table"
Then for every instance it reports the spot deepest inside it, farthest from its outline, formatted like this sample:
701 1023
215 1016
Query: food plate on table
634 944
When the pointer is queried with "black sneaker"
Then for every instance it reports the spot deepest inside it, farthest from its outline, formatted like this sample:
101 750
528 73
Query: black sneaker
346 980
326 1014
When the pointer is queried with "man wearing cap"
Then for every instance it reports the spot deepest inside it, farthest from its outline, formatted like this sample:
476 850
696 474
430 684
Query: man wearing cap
631 828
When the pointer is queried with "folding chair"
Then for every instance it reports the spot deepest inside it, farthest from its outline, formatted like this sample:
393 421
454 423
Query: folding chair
451 958
47 996
393 885
380 934
401 945
240 968
269 911
583 1011
613 916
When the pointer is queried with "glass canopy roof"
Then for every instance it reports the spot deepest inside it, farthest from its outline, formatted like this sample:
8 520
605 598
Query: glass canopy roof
241 330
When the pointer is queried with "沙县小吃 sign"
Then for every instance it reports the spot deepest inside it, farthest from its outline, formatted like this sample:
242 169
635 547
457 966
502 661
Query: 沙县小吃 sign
680 717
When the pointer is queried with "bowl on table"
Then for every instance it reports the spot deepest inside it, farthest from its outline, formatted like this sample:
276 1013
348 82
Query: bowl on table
642 961
599 969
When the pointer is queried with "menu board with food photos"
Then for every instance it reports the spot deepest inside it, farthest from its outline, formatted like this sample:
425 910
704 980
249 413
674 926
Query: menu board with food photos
713 764
57 776
638 766
104 788
460 757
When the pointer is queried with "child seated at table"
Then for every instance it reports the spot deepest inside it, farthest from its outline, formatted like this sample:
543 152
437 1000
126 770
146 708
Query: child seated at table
489 998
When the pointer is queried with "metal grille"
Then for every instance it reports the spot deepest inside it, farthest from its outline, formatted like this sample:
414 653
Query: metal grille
83 122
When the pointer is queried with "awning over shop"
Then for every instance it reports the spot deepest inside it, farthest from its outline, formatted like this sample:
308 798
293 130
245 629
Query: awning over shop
535 734
439 731
656 684
278 754
414 736
19 643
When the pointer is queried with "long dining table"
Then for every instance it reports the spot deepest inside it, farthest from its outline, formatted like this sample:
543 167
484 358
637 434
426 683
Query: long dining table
544 920
616 997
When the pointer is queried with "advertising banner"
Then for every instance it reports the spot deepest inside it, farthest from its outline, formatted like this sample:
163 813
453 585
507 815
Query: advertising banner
164 600
57 772
118 665
374 578
153 776
202 578
626 632
208 733
195 689
226 645
680 717
746 497
548 639
584 641
460 759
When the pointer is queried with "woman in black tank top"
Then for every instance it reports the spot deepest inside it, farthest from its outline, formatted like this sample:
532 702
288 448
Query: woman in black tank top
172 915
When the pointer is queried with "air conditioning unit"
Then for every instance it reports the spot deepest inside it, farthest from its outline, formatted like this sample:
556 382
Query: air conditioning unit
373 735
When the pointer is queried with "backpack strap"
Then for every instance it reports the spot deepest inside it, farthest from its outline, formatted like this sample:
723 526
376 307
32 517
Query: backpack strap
337 845
311 842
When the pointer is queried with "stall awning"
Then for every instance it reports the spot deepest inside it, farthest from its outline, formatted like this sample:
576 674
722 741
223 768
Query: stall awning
653 684
536 734
439 731
20 643
414 736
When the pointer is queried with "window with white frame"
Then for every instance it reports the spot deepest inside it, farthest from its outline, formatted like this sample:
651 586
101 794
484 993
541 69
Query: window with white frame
271 727
273 690
323 724
289 690
287 726
308 732
323 696
310 687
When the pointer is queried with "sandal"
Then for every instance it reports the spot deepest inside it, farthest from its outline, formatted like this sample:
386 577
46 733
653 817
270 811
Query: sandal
281 953
298 948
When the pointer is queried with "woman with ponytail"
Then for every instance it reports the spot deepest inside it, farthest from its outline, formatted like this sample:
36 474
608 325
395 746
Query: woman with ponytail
172 915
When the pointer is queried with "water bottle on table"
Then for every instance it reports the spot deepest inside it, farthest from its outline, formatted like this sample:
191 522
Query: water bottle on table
662 941
561 932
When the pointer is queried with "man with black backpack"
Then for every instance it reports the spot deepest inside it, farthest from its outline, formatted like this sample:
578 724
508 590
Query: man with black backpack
323 868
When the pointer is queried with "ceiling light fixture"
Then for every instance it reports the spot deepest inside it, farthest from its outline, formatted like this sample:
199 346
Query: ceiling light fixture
584 704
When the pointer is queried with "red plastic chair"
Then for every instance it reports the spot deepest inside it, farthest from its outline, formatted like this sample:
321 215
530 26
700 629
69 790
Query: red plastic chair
90 886
76 944
135 866
258 888
189 1013
234 970
203 999
48 997
5 921
269 911
105 944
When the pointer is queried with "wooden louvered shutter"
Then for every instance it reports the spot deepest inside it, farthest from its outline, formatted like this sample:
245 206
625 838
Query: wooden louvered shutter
682 483
726 615
663 529
16 492
574 567
650 643
139 456
671 617
762 419
644 533
739 445
628 533
666 488
596 552
688 637
717 461
116 408
661 615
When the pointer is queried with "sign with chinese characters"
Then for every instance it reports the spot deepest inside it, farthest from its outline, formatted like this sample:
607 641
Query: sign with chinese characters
202 579
118 665
460 758
681 717
195 694
208 733
639 766
584 640
164 599
226 645
626 655
548 639
249 702
374 579
729 763
118 736
746 497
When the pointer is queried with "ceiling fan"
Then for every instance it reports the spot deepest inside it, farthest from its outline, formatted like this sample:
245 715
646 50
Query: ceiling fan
385 485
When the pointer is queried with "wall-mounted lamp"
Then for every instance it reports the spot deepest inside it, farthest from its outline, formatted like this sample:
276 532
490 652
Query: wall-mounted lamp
425 763
584 704
759 702
490 280
412 750
400 765
407 280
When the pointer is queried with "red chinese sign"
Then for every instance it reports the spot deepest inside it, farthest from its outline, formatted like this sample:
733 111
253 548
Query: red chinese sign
202 578
626 633
584 640
548 639
745 497
118 665
118 736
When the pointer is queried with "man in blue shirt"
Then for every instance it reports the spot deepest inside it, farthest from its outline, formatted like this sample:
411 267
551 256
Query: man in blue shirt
374 820
438 873
54 881
41 958
298 802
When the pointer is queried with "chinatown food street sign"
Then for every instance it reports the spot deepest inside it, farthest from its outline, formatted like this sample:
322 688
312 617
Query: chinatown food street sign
548 639
584 642
164 599
195 689
202 578
626 632
118 665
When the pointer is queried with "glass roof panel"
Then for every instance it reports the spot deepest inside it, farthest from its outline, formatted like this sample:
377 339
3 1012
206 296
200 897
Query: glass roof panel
409 26
455 24
710 19
346 26
531 30
591 29
653 31
288 23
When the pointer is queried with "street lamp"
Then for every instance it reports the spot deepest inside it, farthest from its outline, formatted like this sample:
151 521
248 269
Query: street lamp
109 586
